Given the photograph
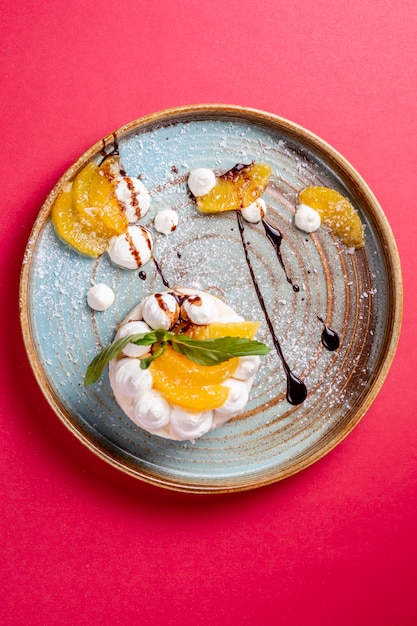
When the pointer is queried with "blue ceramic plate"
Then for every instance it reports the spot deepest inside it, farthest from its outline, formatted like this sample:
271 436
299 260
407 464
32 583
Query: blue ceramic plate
359 296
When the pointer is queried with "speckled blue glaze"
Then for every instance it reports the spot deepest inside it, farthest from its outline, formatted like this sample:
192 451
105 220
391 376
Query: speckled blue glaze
352 292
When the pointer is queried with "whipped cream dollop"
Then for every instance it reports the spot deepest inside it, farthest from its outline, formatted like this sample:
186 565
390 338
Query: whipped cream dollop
199 309
100 297
201 180
307 219
131 379
248 366
190 425
133 197
133 387
166 221
151 411
255 212
160 310
131 249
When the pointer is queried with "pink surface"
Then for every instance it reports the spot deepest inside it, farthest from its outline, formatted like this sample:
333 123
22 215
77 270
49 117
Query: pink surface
82 542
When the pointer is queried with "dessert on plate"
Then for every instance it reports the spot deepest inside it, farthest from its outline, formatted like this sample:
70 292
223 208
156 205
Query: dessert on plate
182 363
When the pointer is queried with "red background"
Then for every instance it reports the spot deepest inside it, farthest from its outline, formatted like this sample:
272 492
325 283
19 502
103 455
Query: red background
85 544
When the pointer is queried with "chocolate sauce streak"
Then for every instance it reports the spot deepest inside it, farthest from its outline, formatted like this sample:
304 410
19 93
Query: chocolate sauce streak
159 270
133 250
275 237
133 197
329 337
296 389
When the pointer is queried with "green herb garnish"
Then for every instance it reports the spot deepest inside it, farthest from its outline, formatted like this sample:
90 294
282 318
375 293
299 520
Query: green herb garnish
201 351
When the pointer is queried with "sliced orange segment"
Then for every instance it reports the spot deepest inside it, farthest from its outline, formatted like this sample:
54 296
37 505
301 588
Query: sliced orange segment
182 371
223 197
215 330
236 189
193 397
198 387
336 212
252 183
110 166
108 209
81 195
69 228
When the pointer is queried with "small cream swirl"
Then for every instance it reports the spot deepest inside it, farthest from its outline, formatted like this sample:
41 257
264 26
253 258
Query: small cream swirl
247 367
151 411
307 219
166 221
190 424
201 180
100 297
237 398
130 379
255 212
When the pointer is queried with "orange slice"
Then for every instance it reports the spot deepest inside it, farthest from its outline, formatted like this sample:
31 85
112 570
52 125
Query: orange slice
81 195
108 211
336 212
70 229
236 189
252 183
193 397
198 387
215 330
223 197
182 371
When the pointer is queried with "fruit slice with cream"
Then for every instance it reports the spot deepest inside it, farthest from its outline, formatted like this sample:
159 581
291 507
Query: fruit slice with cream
236 189
87 219
336 212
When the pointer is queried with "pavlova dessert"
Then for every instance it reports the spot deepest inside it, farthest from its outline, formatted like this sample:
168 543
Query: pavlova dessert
182 363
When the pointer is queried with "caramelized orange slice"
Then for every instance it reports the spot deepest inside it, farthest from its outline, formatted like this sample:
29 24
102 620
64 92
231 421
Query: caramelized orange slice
81 195
223 197
236 189
252 183
108 211
70 229
336 212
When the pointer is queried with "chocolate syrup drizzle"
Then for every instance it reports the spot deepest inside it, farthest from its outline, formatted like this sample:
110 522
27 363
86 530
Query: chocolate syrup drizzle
275 237
159 270
296 389
329 338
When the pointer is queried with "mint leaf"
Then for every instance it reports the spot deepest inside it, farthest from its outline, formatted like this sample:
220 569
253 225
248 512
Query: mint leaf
108 353
214 351
157 350
201 351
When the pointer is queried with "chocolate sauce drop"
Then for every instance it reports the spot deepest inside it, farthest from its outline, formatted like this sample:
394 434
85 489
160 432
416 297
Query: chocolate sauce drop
329 338
142 275
296 388
275 237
